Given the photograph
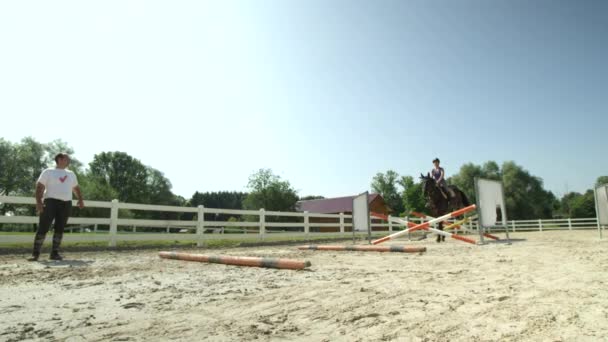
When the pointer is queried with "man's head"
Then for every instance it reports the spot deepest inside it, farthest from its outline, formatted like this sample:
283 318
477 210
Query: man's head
62 160
436 162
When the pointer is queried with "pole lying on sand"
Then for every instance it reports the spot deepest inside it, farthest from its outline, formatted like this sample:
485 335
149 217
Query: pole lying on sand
396 249
428 224
238 261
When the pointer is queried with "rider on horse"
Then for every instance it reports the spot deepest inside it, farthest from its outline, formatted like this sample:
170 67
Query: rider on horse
438 174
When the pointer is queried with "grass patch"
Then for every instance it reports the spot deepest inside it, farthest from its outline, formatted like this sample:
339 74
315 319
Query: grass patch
254 241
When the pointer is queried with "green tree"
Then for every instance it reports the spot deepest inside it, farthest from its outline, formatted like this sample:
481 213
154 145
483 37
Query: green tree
9 181
526 198
60 146
566 203
602 180
465 179
127 176
491 170
119 174
385 184
221 199
583 206
20 168
31 161
413 199
158 188
94 189
21 164
269 191
8 168
311 197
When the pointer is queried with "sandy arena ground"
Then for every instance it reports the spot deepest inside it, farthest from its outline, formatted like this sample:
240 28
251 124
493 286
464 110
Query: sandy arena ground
550 286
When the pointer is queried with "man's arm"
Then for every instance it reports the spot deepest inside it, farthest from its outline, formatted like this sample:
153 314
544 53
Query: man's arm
79 196
39 193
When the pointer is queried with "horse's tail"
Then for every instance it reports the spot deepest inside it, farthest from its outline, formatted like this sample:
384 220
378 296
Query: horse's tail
465 199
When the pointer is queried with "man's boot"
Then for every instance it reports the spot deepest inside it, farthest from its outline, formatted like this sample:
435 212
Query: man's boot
55 256
34 257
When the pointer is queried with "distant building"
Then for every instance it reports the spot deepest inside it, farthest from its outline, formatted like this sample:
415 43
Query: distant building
339 205
342 205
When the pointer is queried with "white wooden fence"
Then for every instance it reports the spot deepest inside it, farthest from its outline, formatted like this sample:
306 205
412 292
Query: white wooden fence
200 230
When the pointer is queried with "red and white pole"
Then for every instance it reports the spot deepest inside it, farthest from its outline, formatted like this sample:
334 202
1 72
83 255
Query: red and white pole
461 224
427 225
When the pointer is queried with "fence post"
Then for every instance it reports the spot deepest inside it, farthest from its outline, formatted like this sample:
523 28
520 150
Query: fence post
262 223
200 226
540 224
341 222
168 228
306 223
569 223
113 223
513 225
134 229
95 229
390 224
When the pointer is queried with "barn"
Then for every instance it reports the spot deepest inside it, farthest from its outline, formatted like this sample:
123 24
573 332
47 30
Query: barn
339 205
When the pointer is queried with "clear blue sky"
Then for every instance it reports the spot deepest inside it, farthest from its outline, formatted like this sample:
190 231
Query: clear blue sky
326 93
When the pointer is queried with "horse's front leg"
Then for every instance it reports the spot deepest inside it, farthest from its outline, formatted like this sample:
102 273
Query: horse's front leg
440 227
440 237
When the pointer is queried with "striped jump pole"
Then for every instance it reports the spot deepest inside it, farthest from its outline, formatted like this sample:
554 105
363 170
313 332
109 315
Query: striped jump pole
427 225
458 224
394 249
412 225
394 219
418 215
461 225
238 261
455 225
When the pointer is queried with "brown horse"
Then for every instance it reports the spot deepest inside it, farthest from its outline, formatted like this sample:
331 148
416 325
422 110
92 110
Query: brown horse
440 203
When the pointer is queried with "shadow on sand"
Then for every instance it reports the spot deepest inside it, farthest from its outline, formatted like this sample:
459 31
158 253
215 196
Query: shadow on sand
66 263
503 241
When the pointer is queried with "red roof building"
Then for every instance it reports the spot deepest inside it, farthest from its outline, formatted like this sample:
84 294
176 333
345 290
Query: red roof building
342 205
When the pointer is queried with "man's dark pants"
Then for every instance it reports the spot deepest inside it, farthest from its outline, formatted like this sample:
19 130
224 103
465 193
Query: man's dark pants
54 210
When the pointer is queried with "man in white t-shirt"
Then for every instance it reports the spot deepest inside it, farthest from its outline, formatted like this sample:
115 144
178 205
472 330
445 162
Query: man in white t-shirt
55 186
